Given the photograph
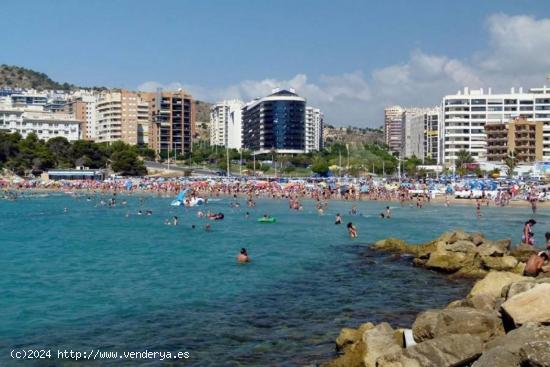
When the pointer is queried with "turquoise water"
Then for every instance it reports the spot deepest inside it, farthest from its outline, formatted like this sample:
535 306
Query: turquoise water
93 278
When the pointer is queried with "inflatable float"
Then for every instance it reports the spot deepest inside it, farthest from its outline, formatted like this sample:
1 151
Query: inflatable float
181 200
267 220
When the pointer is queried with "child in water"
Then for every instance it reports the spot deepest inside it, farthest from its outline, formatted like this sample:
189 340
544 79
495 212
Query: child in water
352 230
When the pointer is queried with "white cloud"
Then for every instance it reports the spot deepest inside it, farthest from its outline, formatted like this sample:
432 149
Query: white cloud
518 54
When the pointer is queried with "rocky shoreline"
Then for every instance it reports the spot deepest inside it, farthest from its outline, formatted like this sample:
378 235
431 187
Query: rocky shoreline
503 322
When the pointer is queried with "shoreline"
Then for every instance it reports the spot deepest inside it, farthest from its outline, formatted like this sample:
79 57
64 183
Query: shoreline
440 200
502 314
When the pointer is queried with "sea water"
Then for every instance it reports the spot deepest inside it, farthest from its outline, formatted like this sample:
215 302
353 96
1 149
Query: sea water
100 278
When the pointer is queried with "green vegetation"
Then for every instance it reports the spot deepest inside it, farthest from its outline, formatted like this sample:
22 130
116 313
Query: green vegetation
32 155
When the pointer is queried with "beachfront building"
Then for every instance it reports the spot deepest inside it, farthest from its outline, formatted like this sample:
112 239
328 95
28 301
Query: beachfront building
432 142
173 122
275 123
82 106
466 114
313 129
522 137
44 124
226 124
123 115
393 121
412 133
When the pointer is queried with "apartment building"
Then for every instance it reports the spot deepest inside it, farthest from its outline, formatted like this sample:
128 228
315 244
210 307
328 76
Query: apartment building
226 124
393 124
83 107
313 129
172 122
45 124
466 114
522 137
432 142
117 116
275 122
412 133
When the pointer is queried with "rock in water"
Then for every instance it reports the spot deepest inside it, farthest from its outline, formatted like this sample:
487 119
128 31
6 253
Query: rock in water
493 248
461 246
529 306
493 283
449 261
378 341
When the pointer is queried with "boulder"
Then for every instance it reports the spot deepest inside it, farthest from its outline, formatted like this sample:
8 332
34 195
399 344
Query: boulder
493 283
471 271
447 351
458 320
347 337
519 269
529 306
498 357
504 263
449 261
523 251
392 245
484 302
378 341
517 287
457 236
461 246
424 325
535 354
504 351
477 238
494 248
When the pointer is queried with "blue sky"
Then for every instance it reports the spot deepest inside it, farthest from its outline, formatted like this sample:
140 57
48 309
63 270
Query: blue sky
344 56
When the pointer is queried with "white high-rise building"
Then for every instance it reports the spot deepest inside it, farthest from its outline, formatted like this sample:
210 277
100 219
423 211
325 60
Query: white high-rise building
432 141
412 133
465 114
226 124
393 121
314 129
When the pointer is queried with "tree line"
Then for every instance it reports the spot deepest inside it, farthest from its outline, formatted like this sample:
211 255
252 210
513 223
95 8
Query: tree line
31 155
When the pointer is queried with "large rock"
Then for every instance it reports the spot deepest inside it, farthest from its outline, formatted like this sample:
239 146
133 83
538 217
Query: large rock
493 283
512 289
483 302
425 324
447 351
504 263
457 320
477 238
347 337
392 245
378 341
458 235
449 261
504 351
535 354
494 248
461 246
498 357
529 306
523 251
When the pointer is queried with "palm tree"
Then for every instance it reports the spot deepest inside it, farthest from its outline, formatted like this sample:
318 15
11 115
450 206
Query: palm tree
462 157
511 162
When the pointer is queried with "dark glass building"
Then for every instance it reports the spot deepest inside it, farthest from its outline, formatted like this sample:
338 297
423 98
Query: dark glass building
275 122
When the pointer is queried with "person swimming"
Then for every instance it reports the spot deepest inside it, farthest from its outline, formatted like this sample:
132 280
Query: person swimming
352 230
243 256
338 219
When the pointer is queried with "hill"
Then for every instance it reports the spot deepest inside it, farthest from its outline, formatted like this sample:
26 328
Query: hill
18 77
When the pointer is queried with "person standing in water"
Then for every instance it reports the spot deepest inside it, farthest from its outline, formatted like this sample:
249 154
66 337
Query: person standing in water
338 219
478 208
243 256
352 230
528 236
388 212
